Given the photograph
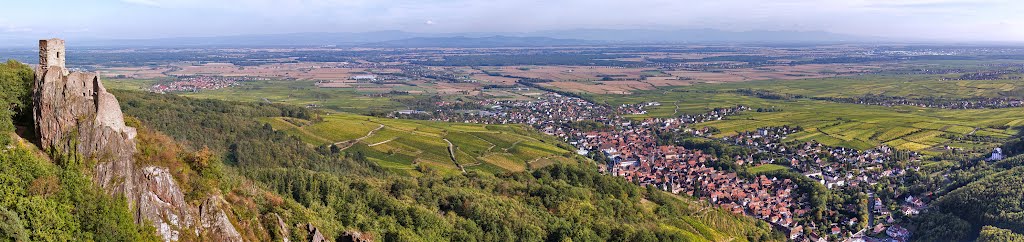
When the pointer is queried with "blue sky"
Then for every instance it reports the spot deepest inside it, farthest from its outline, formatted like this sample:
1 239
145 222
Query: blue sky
964 20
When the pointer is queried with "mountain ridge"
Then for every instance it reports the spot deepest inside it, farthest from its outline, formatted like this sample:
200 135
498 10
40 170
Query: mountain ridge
355 39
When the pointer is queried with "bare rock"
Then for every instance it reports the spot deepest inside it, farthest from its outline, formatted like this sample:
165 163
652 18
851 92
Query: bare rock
215 222
282 228
354 236
162 203
314 234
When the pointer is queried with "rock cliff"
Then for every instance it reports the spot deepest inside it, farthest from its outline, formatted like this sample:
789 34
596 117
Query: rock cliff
78 120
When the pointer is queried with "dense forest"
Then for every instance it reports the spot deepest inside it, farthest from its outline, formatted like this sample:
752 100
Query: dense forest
993 234
558 203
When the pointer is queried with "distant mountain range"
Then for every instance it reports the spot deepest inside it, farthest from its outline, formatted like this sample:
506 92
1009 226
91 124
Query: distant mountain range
480 42
410 39
702 36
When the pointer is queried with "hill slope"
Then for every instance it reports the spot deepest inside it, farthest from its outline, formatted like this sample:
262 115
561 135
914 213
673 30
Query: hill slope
405 145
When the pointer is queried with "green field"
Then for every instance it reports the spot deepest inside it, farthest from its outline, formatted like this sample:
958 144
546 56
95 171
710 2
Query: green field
401 145
890 85
767 168
841 124
128 84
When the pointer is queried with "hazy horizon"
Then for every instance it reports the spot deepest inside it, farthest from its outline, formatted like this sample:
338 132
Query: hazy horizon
941 20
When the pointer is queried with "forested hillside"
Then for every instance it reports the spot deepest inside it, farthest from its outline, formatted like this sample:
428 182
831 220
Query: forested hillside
986 197
556 203
15 89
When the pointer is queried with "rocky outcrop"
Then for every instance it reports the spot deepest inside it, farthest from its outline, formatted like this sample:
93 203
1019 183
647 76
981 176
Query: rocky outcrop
78 120
353 236
314 234
163 204
215 222
282 229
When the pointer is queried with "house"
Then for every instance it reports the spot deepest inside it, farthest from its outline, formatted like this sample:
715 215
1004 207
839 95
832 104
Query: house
908 210
997 155
879 228
795 232
897 232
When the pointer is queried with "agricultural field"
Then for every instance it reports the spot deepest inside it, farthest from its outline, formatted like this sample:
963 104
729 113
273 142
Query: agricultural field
837 124
129 84
622 80
297 71
411 147
301 93
890 85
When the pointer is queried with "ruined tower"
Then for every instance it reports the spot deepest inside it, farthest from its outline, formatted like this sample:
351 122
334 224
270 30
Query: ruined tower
51 53
79 121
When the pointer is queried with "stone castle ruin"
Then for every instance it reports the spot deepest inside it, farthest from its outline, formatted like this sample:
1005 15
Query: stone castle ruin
51 52
77 119
75 114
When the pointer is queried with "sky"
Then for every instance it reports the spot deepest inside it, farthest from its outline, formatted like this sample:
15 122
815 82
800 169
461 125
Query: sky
954 20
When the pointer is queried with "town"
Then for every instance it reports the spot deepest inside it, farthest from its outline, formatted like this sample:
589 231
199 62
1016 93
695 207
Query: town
199 83
631 149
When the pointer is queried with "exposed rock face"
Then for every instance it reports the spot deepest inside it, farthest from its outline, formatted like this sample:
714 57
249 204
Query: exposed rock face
282 228
216 222
354 236
314 234
76 117
163 204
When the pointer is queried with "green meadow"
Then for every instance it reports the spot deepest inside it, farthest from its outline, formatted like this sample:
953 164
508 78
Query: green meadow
767 168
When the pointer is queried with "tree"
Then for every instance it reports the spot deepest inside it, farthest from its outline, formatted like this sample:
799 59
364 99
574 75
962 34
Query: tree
15 96
993 234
